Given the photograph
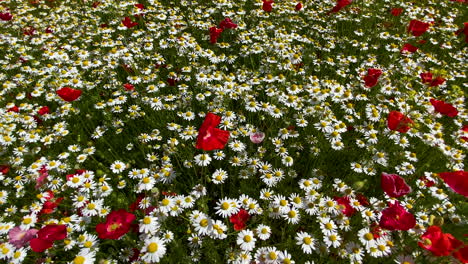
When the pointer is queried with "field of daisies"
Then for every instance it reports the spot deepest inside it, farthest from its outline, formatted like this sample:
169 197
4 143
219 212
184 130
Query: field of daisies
248 131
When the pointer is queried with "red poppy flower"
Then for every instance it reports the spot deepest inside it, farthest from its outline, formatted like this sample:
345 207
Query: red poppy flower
399 122
44 110
394 185
140 6
426 77
396 11
129 87
409 48
6 16
46 237
437 81
129 23
227 23
362 199
267 5
13 109
372 77
439 243
417 28
171 81
444 108
346 209
457 180
395 217
462 254
68 94
117 224
214 34
4 169
210 137
298 6
240 219
340 4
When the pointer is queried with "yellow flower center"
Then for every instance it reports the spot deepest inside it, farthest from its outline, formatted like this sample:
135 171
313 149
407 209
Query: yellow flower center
152 247
79 260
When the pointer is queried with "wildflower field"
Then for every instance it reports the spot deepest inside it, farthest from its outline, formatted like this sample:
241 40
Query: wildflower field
247 131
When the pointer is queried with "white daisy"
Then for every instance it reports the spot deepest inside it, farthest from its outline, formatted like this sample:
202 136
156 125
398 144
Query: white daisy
227 207
306 241
263 232
246 240
153 250
117 167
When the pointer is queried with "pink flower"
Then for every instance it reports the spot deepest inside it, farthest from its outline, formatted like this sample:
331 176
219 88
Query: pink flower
257 137
19 237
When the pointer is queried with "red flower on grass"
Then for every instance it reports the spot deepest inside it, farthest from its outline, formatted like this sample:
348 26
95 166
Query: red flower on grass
457 180
240 219
395 217
47 236
438 242
44 110
129 23
340 4
13 109
6 16
426 77
117 224
417 28
129 87
214 34
298 6
210 137
267 5
68 94
50 204
394 185
372 77
4 169
461 254
227 23
408 48
398 122
396 11
444 108
345 204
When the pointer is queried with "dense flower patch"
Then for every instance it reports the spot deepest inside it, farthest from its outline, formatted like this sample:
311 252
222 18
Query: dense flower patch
324 131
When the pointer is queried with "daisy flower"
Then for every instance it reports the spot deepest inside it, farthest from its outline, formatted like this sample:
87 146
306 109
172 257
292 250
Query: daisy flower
85 256
263 232
149 225
219 176
117 167
153 250
306 241
246 240
202 160
333 240
227 207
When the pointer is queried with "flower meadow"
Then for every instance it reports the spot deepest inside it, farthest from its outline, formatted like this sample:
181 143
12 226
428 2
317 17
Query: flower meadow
319 131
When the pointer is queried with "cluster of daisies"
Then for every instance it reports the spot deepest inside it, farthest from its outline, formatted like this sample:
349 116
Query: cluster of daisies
233 131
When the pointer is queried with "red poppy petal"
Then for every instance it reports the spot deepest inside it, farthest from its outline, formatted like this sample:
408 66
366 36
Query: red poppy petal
458 181
40 245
